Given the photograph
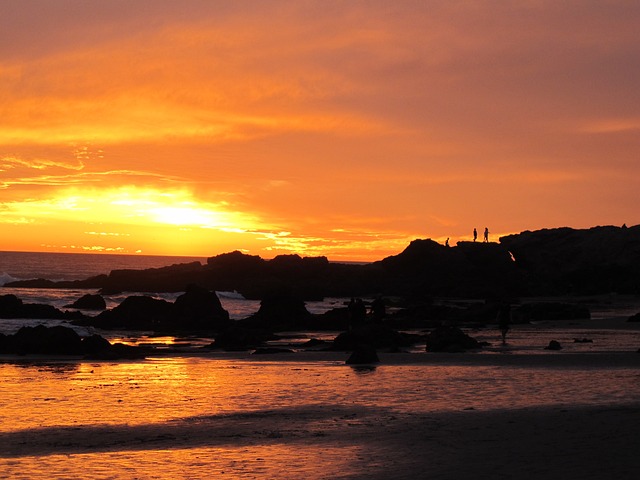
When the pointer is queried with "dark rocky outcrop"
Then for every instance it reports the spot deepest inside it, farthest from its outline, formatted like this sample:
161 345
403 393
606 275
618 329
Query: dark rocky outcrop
427 268
569 261
89 302
634 318
13 307
237 338
60 340
197 309
450 339
545 262
363 355
377 336
279 311
137 312
553 345
200 309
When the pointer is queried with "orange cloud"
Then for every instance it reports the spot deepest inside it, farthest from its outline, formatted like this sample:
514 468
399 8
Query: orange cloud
352 128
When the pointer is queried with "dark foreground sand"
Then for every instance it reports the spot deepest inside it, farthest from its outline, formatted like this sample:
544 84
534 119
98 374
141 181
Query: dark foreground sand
550 443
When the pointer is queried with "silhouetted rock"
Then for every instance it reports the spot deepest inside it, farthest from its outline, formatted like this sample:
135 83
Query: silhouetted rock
362 355
199 308
95 345
450 339
238 338
13 307
545 262
634 318
376 335
56 340
196 309
426 268
172 278
89 302
567 261
279 311
136 313
60 340
334 319
10 306
553 345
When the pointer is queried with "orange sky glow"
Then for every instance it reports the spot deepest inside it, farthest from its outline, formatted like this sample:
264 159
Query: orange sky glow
344 129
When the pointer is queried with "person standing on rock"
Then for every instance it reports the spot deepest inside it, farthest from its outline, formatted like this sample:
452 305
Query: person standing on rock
475 234
486 235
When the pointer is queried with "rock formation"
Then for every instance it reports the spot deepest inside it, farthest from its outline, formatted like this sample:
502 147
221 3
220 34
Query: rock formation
545 262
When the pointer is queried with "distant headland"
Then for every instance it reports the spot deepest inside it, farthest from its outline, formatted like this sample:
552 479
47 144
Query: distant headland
558 261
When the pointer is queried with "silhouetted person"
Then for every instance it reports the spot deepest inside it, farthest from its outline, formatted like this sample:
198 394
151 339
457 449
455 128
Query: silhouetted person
504 321
486 235
475 234
378 309
446 244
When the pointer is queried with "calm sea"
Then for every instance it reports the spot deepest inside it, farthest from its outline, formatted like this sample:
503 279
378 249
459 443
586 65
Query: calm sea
76 266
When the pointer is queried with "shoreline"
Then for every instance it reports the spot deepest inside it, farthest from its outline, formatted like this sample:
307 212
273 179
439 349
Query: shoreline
536 360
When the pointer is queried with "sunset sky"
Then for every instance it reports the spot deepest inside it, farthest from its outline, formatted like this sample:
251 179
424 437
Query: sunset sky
337 128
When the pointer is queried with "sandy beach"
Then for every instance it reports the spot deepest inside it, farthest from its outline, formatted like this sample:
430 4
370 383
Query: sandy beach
557 443
356 439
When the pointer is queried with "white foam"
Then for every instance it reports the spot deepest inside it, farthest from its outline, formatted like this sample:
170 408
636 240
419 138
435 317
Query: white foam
6 278
235 295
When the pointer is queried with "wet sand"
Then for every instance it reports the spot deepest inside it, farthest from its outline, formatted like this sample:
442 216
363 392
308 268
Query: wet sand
356 442
556 443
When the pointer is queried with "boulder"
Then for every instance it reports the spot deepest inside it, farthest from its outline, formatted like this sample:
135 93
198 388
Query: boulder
13 307
553 345
280 311
10 306
43 340
136 313
95 345
450 339
363 354
634 318
199 308
238 338
376 335
89 302
60 340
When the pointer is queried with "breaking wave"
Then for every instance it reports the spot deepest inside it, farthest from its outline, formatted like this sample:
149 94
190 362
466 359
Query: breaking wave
6 278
